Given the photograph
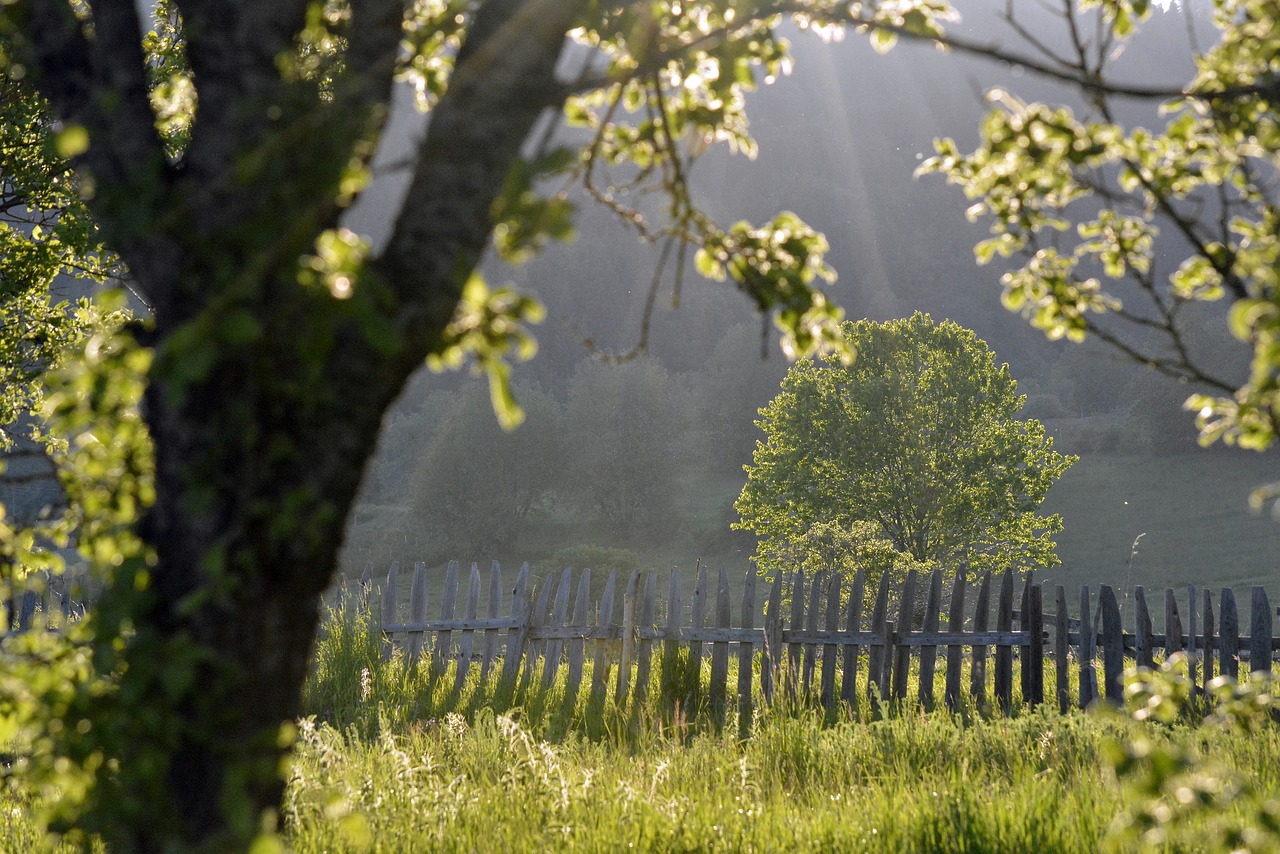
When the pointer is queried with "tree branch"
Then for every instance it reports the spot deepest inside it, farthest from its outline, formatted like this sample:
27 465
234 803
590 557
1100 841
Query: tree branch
982 49
503 80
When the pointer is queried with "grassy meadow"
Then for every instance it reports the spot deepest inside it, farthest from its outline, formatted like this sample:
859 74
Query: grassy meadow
393 759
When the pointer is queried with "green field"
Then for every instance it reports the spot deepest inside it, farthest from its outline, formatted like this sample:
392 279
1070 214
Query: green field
1193 509
392 759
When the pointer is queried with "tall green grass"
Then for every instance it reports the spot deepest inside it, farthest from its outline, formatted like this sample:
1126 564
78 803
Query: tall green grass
901 784
396 759
391 758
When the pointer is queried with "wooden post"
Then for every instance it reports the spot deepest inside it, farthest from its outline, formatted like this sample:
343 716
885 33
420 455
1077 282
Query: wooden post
720 653
521 614
628 639
1061 651
878 664
1143 643
852 626
1004 651
578 645
827 692
604 619
902 654
467 642
792 678
1112 645
929 654
647 621
955 651
771 660
1088 652
388 616
1229 636
746 655
1034 623
444 639
1260 633
978 672
495 606
417 611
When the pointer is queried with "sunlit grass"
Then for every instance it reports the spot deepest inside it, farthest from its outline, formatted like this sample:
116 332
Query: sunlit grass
393 758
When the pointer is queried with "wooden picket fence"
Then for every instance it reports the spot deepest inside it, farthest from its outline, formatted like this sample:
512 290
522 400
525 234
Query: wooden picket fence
818 632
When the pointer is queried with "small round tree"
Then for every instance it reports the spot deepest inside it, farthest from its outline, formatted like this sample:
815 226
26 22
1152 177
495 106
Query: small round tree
918 436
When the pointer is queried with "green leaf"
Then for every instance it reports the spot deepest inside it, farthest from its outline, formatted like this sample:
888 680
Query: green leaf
70 141
883 41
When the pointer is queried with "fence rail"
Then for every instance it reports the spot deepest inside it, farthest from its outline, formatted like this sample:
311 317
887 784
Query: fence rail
812 632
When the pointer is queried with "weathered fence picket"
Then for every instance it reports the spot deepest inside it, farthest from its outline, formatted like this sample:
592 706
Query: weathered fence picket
628 635
929 654
811 623
604 617
1034 662
1208 638
978 684
518 634
1260 632
878 667
955 652
492 612
1229 642
697 616
1004 654
1024 649
578 645
746 656
771 668
720 651
1062 650
830 650
417 610
444 638
1143 641
792 677
817 649
902 653
647 614
1088 651
1192 648
467 641
853 622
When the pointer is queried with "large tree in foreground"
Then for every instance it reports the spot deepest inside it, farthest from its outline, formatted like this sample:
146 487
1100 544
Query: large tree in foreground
919 436
216 153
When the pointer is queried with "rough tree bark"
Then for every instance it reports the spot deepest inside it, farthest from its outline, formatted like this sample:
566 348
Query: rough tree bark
265 397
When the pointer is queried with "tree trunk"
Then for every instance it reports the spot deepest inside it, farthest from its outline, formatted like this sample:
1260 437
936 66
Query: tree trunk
256 471
266 394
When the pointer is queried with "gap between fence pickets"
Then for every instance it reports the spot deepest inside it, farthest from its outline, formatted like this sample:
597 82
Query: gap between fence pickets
539 626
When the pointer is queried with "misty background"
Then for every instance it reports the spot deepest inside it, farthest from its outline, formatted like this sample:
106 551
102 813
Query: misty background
647 456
